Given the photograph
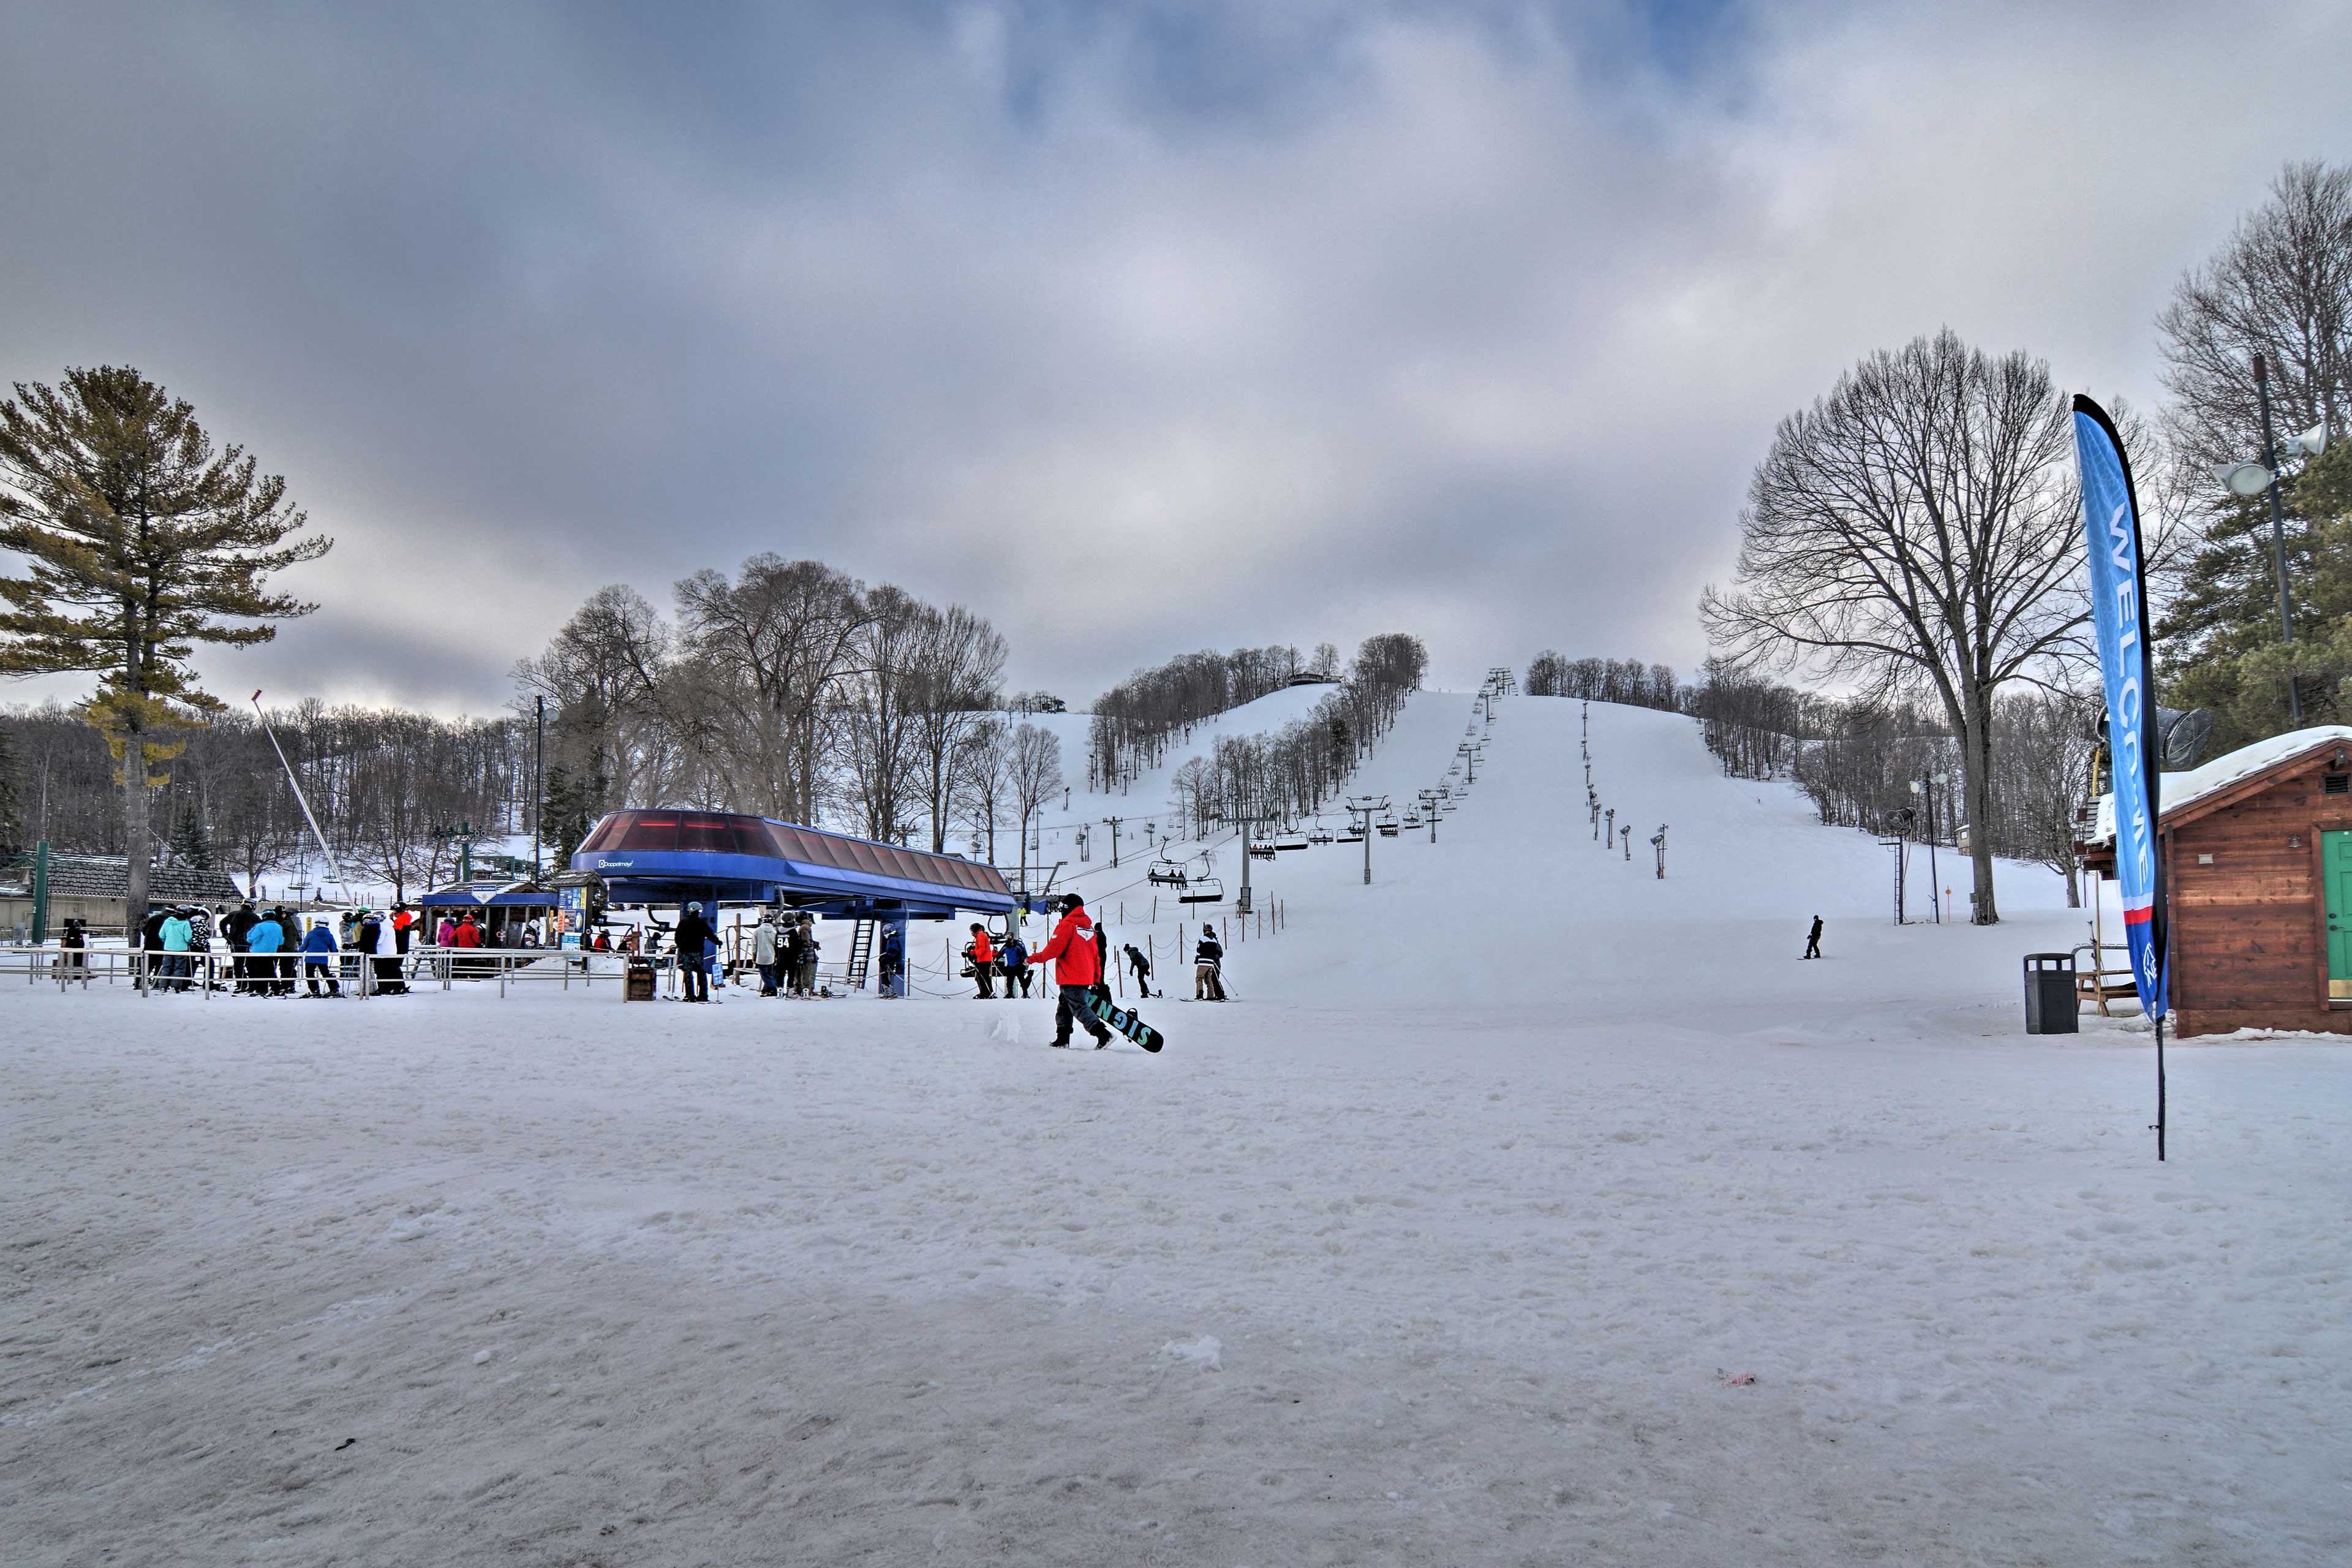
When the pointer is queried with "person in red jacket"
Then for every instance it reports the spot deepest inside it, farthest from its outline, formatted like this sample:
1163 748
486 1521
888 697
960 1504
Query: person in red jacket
983 963
1078 961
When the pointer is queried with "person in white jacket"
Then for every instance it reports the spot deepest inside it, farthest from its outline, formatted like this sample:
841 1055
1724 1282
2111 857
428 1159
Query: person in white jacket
764 953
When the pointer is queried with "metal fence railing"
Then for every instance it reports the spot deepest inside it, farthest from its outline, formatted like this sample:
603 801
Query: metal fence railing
349 974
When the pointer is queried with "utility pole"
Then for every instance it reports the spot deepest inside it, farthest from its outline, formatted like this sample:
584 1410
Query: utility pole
537 780
2278 536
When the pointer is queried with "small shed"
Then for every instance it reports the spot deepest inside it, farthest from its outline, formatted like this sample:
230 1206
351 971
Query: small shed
94 889
2257 848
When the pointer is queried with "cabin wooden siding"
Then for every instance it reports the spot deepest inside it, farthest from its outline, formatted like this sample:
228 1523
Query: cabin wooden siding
2249 926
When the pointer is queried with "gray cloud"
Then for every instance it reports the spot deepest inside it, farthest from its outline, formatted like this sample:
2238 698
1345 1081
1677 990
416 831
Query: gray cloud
1139 327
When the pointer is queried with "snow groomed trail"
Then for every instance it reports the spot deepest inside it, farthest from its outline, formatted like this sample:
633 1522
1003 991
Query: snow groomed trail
1526 1210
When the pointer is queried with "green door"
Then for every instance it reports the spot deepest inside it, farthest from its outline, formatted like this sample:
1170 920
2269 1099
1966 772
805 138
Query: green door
2335 872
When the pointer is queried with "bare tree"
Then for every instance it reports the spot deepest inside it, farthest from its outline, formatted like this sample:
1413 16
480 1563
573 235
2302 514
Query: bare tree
958 666
2281 287
1036 773
878 719
983 779
1916 530
779 641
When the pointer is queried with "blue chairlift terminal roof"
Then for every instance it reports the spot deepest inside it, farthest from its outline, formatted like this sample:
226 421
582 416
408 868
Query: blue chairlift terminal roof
668 856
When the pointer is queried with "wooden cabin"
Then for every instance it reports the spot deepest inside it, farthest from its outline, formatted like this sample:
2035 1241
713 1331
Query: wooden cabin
2257 850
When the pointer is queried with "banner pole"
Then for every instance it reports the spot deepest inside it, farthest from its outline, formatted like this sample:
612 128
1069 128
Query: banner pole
2159 1088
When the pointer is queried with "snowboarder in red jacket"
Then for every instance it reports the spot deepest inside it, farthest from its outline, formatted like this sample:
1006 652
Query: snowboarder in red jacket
1076 957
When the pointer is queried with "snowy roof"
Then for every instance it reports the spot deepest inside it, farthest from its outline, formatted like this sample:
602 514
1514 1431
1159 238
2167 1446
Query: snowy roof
106 876
2179 791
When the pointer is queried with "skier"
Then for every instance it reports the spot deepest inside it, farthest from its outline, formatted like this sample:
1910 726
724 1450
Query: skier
1076 956
1208 967
810 948
176 935
1813 939
983 962
1016 963
235 928
694 940
764 953
1143 967
893 962
317 949
262 941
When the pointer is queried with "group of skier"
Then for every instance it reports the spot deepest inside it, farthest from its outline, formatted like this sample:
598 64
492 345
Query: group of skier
268 945
986 960
784 953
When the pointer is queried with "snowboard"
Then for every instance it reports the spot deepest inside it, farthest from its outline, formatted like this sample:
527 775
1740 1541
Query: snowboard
1124 1021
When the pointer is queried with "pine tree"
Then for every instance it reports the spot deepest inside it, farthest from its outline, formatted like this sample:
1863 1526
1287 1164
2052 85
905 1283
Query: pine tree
2218 639
571 806
138 537
190 845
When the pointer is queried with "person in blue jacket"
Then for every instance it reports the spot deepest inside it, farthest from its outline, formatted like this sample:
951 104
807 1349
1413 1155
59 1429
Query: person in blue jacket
263 941
318 961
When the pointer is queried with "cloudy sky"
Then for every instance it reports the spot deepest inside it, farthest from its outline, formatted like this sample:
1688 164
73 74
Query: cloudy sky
1138 327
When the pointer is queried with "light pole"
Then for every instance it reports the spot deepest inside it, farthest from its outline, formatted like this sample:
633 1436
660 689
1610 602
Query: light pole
2251 479
1936 891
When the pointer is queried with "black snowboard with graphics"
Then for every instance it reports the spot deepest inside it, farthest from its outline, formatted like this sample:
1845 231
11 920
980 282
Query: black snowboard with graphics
1125 1022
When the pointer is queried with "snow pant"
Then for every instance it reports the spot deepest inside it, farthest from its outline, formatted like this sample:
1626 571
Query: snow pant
314 971
808 976
987 972
1143 978
768 979
1208 985
698 981
1074 1004
1017 977
387 978
1812 947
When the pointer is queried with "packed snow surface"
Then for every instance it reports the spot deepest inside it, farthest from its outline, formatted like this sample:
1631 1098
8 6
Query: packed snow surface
1523 1208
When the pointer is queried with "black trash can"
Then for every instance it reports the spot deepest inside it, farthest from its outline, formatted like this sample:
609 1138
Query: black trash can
2050 1005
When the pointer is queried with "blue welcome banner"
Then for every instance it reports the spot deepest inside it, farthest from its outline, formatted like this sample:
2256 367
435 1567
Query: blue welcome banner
2119 613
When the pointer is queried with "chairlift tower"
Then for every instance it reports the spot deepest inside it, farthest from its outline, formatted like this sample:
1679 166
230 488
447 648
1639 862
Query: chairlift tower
1365 806
1429 799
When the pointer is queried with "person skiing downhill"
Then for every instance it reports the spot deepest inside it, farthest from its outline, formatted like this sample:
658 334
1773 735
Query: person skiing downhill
1076 957
1813 939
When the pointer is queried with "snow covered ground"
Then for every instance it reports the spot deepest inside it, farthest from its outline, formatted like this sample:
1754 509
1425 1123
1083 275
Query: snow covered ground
1524 1209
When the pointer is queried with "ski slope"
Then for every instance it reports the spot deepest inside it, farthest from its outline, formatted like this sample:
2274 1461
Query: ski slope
1522 1208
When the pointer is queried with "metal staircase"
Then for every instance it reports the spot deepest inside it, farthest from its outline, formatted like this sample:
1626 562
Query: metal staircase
861 953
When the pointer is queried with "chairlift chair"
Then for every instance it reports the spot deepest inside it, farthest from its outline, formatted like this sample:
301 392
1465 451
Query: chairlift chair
1261 851
1289 841
1388 827
1411 819
1353 836
1320 836
1165 873
1202 891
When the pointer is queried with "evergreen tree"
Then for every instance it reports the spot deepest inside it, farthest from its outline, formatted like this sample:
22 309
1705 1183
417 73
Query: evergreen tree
569 810
190 845
2218 640
138 536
